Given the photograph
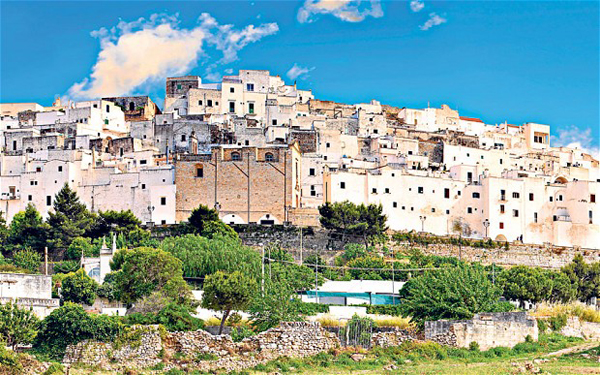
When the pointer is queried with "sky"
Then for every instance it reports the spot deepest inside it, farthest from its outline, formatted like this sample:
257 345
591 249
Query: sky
514 61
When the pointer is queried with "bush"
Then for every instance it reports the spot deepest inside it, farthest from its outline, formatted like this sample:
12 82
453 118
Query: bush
542 326
55 369
78 287
66 266
9 361
173 317
27 259
558 322
474 346
240 333
81 246
70 324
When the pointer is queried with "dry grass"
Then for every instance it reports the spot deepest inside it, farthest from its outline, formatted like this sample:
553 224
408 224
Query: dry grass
583 312
393 321
330 321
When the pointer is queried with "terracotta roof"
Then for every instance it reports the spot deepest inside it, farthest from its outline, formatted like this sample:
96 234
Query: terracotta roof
470 119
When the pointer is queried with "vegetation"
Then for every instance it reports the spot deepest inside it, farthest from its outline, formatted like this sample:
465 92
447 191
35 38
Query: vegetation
534 284
173 317
363 221
27 259
226 292
69 218
78 287
70 324
205 222
456 293
18 325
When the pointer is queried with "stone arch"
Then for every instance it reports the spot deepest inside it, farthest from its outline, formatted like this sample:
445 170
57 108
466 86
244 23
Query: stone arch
233 219
560 180
501 238
268 219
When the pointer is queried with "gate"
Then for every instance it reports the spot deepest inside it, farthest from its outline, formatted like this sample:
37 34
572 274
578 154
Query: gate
357 333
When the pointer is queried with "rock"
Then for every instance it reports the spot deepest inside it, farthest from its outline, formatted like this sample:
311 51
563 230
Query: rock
357 357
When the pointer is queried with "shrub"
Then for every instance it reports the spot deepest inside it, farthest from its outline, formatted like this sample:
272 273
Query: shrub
558 322
66 266
27 259
240 333
9 361
70 324
78 287
55 369
542 326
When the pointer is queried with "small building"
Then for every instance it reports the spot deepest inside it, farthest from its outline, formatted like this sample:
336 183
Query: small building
27 290
356 292
98 267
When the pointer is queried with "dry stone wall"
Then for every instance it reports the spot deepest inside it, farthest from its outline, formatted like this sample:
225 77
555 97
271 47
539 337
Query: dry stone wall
577 328
487 329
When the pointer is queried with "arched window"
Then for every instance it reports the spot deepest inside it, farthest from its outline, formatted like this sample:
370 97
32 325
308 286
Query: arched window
236 156
269 156
131 106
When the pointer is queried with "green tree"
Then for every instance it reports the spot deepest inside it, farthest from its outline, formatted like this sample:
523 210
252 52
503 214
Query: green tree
347 218
70 324
585 276
3 230
202 256
78 287
354 250
27 229
79 246
17 325
524 283
449 293
205 222
563 290
114 221
143 270
27 259
226 292
370 266
69 219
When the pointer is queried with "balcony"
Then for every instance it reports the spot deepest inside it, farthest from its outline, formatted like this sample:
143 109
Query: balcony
10 196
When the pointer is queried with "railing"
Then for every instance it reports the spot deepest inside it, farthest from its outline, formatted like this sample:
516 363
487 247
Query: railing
48 302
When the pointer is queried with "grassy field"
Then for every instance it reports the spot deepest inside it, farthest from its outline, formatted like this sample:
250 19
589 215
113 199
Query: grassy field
430 358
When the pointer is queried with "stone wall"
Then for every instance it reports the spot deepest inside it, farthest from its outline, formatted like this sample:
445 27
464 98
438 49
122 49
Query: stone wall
487 329
577 328
148 345
546 256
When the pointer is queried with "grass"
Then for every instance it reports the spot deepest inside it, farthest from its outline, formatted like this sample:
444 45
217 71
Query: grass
578 309
423 358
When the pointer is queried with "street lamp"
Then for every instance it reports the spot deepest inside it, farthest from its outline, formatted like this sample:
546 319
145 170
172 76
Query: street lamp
486 224
423 218
150 209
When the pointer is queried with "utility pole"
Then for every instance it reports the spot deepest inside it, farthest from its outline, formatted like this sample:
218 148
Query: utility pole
46 260
248 164
262 265
301 247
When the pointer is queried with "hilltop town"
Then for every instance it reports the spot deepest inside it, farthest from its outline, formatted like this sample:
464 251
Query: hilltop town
259 150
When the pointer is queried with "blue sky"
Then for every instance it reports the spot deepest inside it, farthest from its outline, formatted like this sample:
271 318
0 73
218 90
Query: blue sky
497 60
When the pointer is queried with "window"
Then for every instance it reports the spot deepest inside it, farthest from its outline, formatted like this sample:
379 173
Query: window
500 161
501 225
236 156
469 210
250 87
178 87
107 108
420 189
48 200
433 210
209 103
231 89
274 122
447 212
447 193
458 192
269 157
560 198
395 204
163 201
410 152
163 222
551 199
516 195
29 198
199 102
412 208
250 107
476 195
143 186
200 171
60 168
515 213
183 138
535 217
342 185
387 190
106 122
374 191
592 198
327 144
38 169
404 207
469 176
231 106
311 172
590 216
530 196
502 209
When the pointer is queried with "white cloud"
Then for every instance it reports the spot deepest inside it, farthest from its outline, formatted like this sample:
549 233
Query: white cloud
135 55
574 137
298 71
433 20
416 5
345 10
228 71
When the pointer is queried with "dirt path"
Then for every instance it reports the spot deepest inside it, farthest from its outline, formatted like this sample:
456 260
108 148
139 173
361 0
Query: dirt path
574 349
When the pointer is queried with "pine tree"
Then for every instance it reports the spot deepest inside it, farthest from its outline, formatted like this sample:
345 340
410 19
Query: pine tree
69 219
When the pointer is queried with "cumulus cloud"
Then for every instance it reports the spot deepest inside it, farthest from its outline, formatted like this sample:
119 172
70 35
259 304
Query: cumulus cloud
345 10
574 137
434 20
416 5
141 53
298 71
